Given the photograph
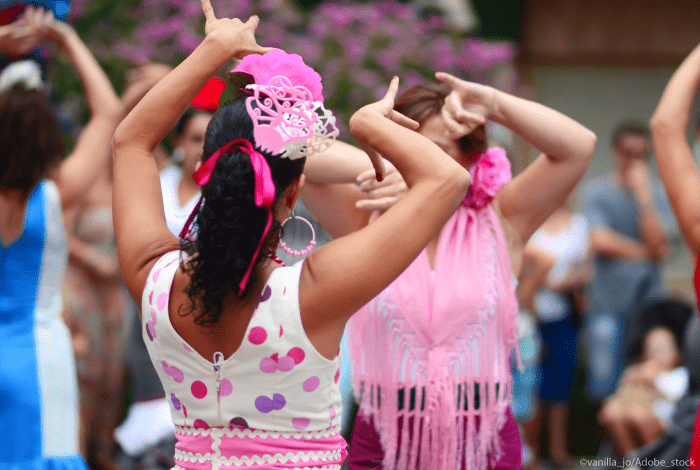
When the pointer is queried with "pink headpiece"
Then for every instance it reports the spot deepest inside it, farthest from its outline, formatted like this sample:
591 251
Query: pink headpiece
264 191
286 105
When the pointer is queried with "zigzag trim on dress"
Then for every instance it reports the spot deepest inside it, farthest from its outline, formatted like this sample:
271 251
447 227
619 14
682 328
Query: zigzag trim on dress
260 459
257 433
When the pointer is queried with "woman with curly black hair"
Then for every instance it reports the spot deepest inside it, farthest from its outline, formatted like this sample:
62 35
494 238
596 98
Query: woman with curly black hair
247 349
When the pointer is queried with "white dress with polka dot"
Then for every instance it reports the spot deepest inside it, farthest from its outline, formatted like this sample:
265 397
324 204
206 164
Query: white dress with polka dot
274 403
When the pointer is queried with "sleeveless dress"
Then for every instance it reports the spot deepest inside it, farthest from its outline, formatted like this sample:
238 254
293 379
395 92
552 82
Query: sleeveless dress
274 403
436 382
38 382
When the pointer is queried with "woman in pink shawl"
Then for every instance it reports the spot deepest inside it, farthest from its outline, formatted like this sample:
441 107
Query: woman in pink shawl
431 353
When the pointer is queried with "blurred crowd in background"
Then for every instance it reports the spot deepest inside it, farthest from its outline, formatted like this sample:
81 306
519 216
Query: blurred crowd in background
605 289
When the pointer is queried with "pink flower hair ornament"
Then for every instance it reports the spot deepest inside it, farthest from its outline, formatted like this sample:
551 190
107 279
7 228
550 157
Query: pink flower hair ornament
489 174
285 104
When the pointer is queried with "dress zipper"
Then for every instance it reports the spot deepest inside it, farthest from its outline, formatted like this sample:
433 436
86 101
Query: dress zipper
218 360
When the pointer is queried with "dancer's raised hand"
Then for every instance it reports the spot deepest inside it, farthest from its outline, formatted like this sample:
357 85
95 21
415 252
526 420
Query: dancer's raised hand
383 108
232 33
380 196
467 106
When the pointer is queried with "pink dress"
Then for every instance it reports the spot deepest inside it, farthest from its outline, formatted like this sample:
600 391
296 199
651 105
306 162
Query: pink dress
274 403
436 382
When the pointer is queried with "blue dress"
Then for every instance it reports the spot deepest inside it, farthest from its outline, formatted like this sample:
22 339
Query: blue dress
38 381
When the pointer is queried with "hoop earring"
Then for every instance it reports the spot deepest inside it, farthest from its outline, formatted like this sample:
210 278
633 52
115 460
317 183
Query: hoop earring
306 250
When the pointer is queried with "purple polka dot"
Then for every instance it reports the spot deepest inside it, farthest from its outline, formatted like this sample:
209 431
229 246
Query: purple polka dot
297 354
226 387
300 423
173 372
162 301
263 404
257 335
150 334
200 424
268 365
278 401
239 423
176 403
266 293
285 364
199 390
311 384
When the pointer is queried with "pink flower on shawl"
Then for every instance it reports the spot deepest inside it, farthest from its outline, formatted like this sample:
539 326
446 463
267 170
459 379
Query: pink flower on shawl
489 174
276 62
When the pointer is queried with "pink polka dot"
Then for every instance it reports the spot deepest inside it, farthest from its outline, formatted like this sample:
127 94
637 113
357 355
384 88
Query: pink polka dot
300 423
226 387
199 390
285 364
184 410
162 301
187 348
311 384
268 365
150 298
281 330
337 376
156 274
331 410
257 335
200 424
297 354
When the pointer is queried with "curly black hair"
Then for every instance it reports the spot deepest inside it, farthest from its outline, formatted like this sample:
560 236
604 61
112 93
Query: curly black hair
229 225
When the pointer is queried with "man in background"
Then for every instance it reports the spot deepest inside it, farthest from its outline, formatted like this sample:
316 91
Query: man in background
631 222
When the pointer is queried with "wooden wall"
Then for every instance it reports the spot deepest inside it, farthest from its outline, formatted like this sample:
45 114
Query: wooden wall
639 33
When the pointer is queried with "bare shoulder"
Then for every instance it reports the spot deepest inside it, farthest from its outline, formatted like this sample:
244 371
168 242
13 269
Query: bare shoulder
514 241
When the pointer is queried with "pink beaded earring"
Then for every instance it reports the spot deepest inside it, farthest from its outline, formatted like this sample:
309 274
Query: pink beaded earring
306 250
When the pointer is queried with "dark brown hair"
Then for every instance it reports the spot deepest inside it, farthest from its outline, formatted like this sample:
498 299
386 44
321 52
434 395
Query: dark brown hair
30 139
627 128
425 100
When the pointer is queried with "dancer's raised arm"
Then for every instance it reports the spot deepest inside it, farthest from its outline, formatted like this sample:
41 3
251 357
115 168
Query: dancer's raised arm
79 170
669 126
345 274
566 146
139 218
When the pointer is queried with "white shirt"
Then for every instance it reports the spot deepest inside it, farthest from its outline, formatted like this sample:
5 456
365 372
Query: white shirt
175 215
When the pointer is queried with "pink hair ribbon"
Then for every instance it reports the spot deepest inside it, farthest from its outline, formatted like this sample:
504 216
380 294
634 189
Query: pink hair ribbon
264 191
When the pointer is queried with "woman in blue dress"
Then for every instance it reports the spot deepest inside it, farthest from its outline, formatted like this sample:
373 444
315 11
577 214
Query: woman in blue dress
38 389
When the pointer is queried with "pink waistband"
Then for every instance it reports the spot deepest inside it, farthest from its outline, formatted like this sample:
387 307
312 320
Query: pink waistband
199 449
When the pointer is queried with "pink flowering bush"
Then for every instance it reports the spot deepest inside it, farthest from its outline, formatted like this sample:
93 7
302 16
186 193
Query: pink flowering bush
355 47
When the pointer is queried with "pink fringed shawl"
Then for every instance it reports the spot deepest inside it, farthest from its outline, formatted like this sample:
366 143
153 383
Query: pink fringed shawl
440 337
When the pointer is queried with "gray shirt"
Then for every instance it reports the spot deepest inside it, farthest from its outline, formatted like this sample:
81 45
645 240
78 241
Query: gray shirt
620 285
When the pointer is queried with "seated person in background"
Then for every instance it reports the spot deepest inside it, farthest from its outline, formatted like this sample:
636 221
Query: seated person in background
639 411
